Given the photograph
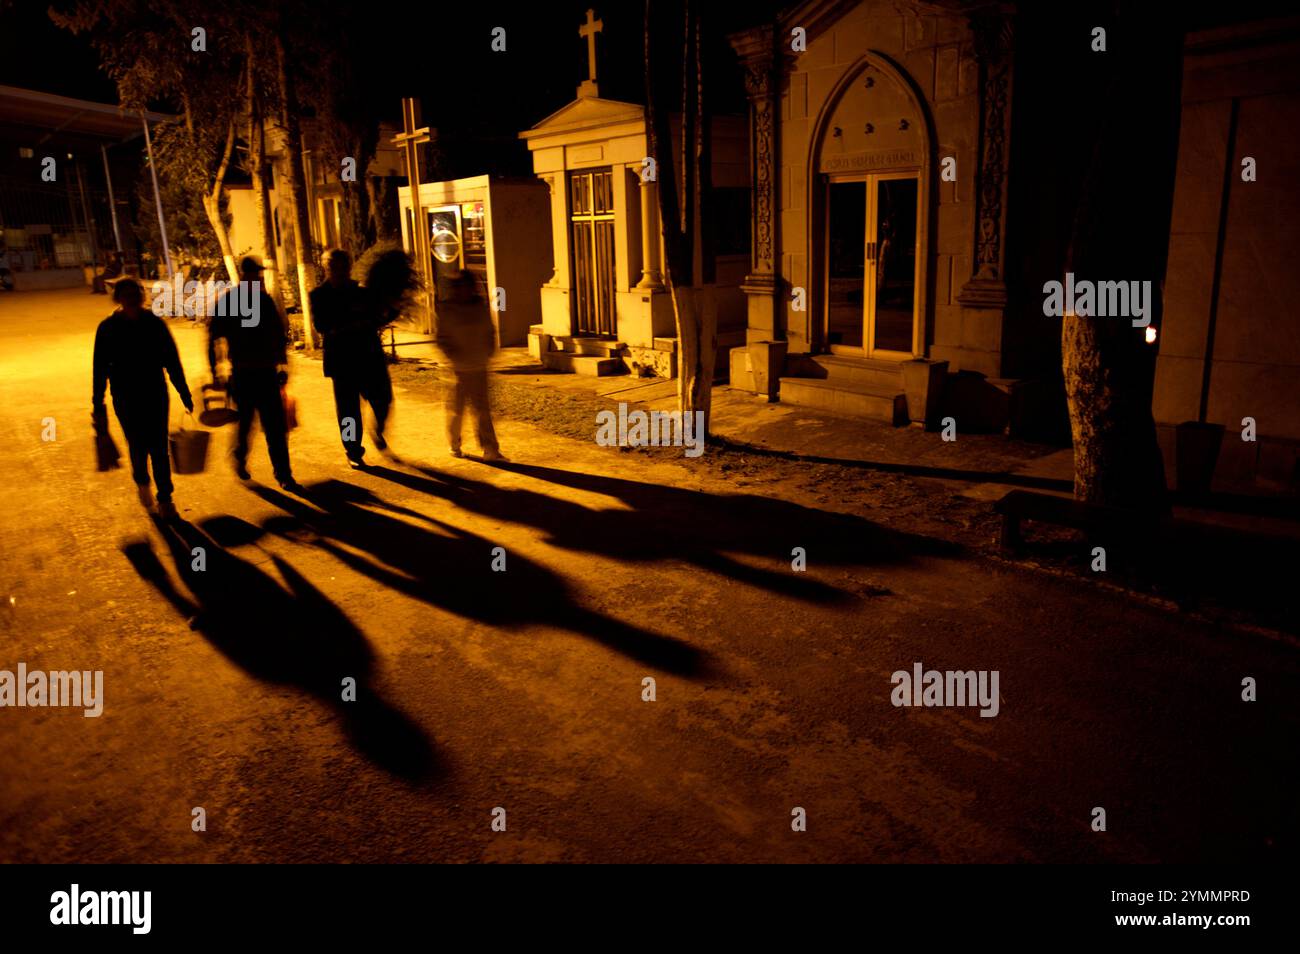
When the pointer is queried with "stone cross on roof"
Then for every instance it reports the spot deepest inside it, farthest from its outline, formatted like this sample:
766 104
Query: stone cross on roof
588 31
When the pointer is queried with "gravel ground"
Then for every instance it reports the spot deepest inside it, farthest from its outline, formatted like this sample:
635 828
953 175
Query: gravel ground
917 505
925 506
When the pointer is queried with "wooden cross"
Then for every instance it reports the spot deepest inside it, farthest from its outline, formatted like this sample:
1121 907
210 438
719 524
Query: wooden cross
588 32
410 140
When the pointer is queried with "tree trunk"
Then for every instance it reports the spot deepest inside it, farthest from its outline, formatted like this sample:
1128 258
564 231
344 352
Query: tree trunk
212 206
697 322
694 307
212 195
1121 233
356 220
379 228
297 189
257 172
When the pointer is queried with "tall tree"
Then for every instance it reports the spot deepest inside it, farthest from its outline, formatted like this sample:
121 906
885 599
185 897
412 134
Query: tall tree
673 36
256 164
344 128
173 51
1121 233
296 185
213 181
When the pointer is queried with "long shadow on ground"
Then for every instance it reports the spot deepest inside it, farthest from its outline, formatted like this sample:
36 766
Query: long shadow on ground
294 636
451 568
659 523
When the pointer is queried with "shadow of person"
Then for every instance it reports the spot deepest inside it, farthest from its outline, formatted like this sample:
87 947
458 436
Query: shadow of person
661 523
289 635
451 568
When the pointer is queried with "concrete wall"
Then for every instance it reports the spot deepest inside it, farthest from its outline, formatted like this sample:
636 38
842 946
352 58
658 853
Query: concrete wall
1255 358
244 230
48 278
519 257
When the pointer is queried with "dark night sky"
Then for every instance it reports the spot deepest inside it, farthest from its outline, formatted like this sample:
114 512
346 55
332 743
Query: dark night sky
35 54
439 52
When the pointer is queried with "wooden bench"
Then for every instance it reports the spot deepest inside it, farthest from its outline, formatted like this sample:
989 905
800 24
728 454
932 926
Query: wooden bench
1093 519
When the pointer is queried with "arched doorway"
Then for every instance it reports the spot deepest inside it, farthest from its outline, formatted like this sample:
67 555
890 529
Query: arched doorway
869 186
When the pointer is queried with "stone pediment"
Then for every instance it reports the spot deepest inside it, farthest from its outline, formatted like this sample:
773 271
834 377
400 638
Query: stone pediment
588 112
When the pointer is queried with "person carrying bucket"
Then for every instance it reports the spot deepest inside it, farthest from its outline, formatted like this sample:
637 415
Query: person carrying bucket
133 347
256 336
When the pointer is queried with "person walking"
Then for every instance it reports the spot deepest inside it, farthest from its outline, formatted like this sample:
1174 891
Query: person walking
466 336
349 318
133 348
256 334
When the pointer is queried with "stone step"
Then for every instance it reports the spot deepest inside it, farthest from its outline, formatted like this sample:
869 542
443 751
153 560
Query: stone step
593 365
600 347
854 400
871 372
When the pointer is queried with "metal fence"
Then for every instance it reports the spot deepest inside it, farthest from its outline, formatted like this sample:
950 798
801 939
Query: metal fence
53 225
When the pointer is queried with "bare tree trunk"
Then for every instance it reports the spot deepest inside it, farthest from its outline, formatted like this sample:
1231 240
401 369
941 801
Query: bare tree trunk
358 231
297 189
352 211
697 321
694 307
380 228
212 194
212 206
257 171
1121 233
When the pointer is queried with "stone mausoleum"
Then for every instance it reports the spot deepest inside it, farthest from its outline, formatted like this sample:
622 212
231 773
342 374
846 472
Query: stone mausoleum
605 308
914 187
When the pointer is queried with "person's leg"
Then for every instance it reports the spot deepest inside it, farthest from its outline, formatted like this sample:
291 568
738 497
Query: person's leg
158 448
478 397
456 412
137 449
378 393
347 405
246 406
274 426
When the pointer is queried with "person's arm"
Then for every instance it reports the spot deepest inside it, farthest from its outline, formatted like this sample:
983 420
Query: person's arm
175 370
443 335
102 364
321 314
489 333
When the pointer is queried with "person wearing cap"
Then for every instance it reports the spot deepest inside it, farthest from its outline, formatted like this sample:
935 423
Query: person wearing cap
256 336
133 347
349 317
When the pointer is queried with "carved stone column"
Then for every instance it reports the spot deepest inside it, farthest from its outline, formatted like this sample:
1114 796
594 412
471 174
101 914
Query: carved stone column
994 36
550 189
650 277
757 51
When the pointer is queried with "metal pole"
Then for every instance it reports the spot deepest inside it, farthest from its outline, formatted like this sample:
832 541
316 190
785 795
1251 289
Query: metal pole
72 213
112 203
157 197
85 211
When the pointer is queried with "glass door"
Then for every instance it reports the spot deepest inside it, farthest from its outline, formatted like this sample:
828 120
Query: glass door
871 265
846 265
